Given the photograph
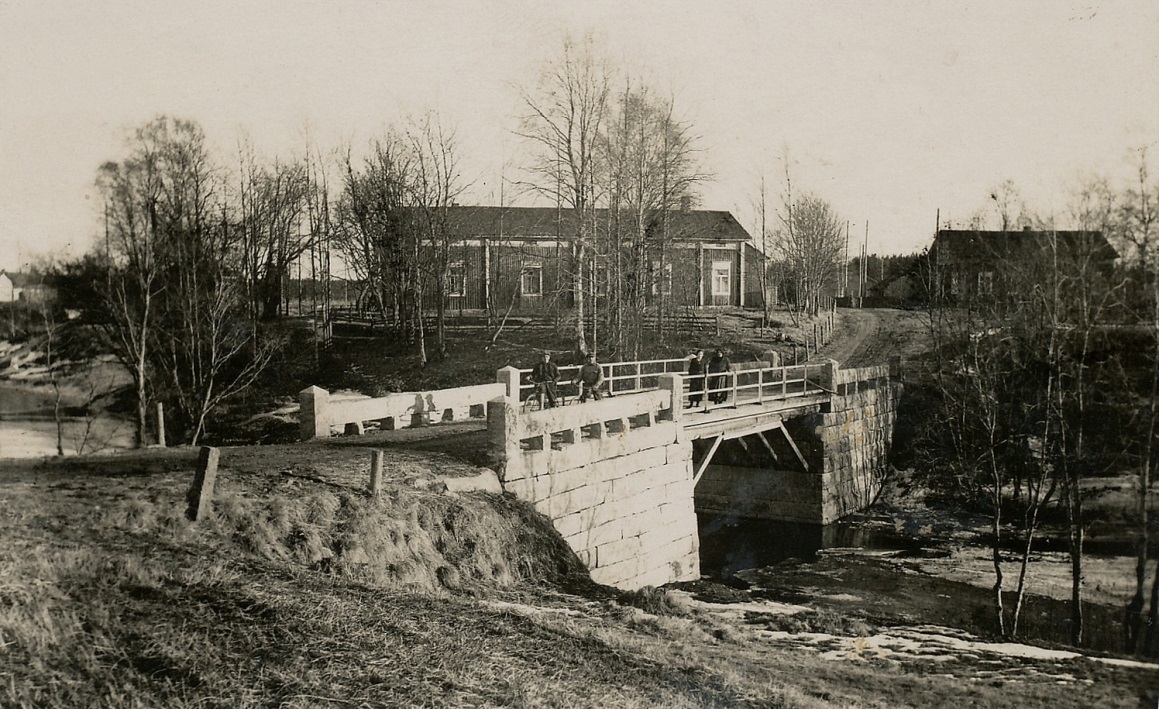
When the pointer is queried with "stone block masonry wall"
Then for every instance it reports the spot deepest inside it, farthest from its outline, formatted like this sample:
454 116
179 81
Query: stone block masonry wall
854 438
746 493
615 478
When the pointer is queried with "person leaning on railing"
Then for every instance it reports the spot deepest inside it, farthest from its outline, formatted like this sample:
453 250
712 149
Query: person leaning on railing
589 379
717 378
696 378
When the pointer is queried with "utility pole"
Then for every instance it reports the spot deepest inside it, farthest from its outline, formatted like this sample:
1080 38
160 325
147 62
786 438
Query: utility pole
864 260
936 288
845 264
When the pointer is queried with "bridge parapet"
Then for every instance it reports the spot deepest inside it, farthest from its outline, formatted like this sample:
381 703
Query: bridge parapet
320 412
523 440
612 475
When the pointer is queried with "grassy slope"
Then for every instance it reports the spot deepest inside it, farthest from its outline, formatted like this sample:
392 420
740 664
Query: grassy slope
302 591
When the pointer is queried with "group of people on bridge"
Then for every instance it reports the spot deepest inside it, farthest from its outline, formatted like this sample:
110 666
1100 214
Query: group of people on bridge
590 378
712 374
545 377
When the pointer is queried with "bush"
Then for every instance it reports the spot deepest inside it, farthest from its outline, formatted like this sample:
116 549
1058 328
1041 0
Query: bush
657 601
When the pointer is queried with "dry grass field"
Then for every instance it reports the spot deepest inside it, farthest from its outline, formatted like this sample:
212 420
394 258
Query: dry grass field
300 590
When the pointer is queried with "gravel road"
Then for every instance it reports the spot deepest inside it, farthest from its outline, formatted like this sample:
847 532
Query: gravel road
868 337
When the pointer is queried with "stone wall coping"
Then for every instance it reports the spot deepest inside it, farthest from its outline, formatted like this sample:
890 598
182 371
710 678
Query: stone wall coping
861 374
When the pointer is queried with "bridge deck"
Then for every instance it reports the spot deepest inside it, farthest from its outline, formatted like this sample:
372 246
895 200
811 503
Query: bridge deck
747 415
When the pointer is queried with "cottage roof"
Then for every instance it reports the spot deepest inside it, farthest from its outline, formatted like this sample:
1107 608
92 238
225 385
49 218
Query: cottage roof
549 222
972 245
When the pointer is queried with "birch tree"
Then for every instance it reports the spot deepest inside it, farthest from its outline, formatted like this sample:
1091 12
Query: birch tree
809 245
563 119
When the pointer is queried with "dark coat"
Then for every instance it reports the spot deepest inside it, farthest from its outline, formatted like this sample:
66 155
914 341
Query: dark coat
545 372
696 374
718 366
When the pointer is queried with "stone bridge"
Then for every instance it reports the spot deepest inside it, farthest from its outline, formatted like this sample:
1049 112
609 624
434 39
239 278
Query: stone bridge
623 479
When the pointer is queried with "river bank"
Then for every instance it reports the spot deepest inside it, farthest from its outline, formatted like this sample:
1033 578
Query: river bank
83 391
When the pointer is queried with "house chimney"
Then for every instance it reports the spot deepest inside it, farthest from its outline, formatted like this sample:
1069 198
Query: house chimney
685 203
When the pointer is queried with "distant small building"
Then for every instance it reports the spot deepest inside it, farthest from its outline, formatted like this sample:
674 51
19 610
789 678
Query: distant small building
975 264
18 287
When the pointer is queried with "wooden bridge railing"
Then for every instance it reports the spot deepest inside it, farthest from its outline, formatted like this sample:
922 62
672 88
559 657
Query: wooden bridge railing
755 386
708 391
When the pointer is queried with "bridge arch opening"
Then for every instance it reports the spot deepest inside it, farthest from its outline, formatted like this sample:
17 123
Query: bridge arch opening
754 495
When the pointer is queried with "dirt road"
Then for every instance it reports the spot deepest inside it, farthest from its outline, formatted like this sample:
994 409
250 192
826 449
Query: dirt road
867 337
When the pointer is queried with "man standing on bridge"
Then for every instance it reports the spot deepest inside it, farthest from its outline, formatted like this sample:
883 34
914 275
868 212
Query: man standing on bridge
590 378
545 375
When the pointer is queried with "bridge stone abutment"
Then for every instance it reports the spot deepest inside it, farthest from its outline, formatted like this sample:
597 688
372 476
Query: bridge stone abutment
852 439
615 478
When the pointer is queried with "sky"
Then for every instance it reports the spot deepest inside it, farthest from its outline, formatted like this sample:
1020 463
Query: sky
894 112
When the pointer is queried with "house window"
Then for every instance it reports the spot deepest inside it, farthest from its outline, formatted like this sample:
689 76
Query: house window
531 280
661 279
457 280
721 278
986 283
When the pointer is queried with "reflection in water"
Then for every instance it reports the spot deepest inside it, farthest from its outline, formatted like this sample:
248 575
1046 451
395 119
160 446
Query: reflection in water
730 544
28 430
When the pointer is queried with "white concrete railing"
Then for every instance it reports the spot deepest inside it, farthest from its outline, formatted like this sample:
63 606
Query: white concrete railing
516 430
847 381
742 385
320 413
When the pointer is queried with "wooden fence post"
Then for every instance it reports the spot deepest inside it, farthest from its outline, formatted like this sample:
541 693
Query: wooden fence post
201 494
160 424
376 459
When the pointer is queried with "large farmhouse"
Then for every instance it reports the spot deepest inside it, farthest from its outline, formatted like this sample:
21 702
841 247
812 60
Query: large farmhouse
993 265
524 256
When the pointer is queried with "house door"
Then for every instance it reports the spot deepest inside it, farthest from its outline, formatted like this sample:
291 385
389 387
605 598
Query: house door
721 282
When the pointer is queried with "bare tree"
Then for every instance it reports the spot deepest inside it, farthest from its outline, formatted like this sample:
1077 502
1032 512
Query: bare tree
564 117
809 245
648 167
434 187
1135 229
178 313
132 191
369 226
271 201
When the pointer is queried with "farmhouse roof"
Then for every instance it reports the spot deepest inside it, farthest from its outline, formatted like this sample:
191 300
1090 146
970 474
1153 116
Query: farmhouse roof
549 222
